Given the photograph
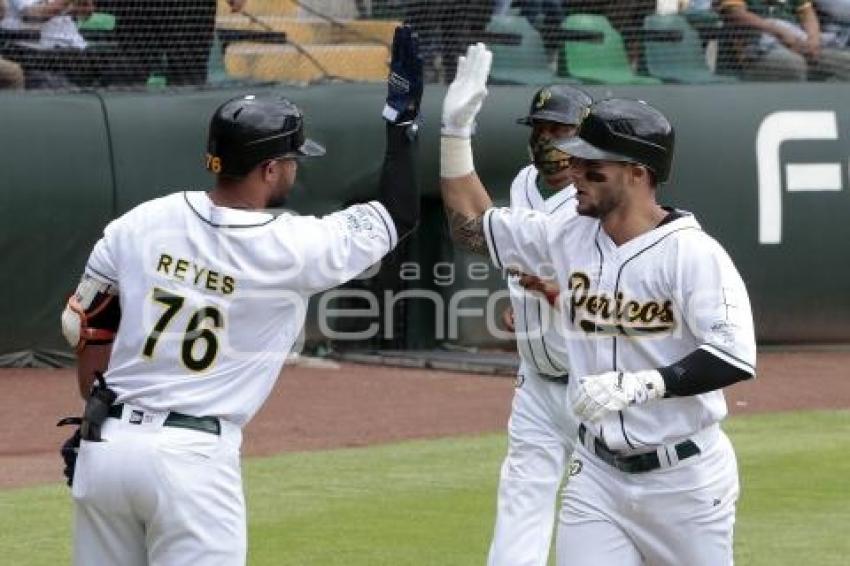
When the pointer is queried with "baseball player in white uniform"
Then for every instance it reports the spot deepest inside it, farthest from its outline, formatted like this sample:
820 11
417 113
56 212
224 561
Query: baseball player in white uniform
542 428
657 320
205 293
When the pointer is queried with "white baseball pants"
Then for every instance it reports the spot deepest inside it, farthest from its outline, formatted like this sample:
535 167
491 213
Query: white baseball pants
666 517
159 496
541 435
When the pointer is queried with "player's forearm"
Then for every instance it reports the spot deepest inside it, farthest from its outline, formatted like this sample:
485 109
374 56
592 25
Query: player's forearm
465 206
45 10
700 372
464 196
91 359
741 16
399 185
467 232
809 23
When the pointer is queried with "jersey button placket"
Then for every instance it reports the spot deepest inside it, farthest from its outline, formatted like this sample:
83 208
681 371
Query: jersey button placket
604 343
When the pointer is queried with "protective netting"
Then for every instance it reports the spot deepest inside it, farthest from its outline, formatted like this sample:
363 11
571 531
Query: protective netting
142 43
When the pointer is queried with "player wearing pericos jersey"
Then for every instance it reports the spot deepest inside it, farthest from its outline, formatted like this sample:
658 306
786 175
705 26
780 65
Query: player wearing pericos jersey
205 294
542 428
657 319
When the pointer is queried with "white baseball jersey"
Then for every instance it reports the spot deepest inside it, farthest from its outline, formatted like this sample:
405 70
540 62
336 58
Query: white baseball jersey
642 305
213 298
539 340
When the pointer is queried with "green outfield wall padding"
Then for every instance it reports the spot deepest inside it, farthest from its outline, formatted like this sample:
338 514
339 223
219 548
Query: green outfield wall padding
764 167
56 195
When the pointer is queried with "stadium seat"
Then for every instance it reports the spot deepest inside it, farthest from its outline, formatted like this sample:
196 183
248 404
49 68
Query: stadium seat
216 68
677 61
526 63
216 71
98 21
282 7
266 62
314 49
599 62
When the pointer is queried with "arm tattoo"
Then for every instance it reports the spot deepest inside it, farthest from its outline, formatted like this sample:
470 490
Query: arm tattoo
467 232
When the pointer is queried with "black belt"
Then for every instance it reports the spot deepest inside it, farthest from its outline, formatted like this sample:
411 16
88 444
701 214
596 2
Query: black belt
562 379
178 420
637 463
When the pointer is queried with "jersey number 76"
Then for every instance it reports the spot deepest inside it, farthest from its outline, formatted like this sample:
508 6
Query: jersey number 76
198 335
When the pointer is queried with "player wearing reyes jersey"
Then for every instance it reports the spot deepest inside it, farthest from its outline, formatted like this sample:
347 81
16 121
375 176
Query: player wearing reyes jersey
542 428
205 293
657 319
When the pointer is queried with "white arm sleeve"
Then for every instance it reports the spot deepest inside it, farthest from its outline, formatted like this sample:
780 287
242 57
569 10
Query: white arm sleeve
715 303
518 240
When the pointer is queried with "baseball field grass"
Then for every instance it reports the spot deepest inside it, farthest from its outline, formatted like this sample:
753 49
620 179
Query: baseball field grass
431 502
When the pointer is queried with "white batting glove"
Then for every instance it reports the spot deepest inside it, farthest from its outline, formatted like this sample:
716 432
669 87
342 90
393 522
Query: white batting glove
467 92
594 396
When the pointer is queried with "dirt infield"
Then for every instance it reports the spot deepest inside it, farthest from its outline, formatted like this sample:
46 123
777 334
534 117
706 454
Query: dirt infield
355 405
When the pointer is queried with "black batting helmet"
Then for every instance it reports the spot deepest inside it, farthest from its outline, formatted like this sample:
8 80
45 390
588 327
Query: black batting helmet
557 103
250 129
619 129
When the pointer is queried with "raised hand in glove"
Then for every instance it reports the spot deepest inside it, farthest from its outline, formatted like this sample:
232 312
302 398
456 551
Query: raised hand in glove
405 83
594 396
467 92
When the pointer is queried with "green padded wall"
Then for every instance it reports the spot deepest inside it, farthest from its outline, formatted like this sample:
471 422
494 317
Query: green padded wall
70 162
56 194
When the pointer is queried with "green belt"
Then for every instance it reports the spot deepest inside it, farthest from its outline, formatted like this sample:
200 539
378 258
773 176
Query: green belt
178 420
637 463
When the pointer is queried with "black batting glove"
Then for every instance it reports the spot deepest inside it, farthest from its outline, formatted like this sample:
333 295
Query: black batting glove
70 449
405 83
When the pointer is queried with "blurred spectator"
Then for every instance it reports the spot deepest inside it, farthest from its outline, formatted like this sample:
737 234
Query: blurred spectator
626 17
838 10
425 18
168 37
445 29
546 16
58 58
501 7
53 18
785 42
835 19
375 8
11 74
